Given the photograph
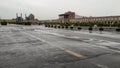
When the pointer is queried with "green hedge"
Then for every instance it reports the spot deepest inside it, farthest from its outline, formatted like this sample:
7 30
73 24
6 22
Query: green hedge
90 24
21 23
27 23
4 23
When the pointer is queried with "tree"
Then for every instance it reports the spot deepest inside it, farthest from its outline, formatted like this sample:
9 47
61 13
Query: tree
101 29
118 29
90 29
79 28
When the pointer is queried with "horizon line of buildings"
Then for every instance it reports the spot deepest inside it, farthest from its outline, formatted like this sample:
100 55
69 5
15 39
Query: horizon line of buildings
70 17
19 18
67 17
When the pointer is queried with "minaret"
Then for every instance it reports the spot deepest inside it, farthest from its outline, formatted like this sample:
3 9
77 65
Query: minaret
21 15
25 16
16 15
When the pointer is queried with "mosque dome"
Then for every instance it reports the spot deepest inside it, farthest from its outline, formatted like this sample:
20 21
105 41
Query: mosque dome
31 17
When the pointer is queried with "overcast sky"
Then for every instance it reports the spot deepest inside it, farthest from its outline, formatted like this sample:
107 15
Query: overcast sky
49 9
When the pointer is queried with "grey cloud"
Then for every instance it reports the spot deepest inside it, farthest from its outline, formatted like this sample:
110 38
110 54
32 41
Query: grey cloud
49 9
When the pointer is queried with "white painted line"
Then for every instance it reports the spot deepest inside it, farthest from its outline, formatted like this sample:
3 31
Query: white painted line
74 54
34 37
56 34
100 65
76 37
